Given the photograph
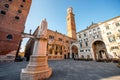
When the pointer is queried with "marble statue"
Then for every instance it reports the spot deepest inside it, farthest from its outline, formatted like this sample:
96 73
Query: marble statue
38 68
42 30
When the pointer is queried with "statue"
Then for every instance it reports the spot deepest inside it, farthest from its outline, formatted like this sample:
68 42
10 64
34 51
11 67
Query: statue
42 30
38 68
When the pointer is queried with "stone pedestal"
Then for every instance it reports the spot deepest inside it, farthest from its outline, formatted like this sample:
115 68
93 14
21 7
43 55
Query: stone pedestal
37 69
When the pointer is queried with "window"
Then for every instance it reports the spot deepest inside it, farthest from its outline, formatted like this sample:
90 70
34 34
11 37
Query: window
94 30
60 53
17 17
21 6
9 37
6 5
79 36
50 51
114 47
3 12
111 39
107 27
60 39
118 30
56 47
23 0
55 53
81 50
88 50
67 41
84 35
108 33
117 24
9 0
86 43
98 29
80 44
80 40
51 37
90 32
19 11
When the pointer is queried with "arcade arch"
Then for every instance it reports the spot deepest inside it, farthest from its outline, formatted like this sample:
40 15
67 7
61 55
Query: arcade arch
74 51
99 50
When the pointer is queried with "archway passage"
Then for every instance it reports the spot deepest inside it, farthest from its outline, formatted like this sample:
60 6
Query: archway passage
74 52
99 49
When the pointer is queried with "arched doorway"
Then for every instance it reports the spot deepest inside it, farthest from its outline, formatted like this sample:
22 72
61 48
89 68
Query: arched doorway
99 49
74 52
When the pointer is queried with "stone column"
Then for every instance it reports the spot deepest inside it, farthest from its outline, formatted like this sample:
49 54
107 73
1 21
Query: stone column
38 68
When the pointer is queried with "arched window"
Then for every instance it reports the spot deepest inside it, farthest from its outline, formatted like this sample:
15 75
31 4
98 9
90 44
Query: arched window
17 17
19 11
21 6
3 12
6 5
23 0
9 37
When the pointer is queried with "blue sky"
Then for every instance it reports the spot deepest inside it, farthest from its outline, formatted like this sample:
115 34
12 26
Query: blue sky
86 12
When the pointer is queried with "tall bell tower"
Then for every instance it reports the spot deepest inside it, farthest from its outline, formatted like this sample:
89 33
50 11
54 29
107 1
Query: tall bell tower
71 27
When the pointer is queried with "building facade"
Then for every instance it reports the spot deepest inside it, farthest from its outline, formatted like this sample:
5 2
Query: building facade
58 46
100 41
13 14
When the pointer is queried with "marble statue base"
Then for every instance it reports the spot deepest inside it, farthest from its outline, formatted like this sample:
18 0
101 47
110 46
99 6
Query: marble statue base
37 69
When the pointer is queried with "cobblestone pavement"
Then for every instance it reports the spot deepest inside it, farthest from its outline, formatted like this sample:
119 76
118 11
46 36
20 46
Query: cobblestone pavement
66 70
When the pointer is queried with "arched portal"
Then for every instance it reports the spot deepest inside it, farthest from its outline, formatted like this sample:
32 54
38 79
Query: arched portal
74 51
99 50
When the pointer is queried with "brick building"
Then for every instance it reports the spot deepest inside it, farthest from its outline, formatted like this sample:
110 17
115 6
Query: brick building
13 14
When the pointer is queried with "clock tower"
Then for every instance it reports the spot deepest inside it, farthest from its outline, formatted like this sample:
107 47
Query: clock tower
71 27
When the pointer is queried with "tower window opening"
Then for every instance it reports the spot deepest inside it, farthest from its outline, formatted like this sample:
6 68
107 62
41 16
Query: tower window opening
21 6
9 37
23 0
9 0
17 17
19 11
3 12
6 5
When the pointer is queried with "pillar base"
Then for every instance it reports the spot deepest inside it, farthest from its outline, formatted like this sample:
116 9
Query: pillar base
37 69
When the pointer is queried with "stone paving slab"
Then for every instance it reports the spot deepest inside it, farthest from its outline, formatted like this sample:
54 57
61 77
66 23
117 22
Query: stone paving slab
84 70
66 70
